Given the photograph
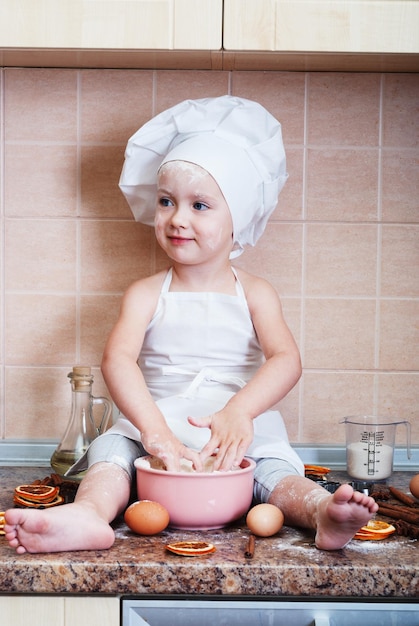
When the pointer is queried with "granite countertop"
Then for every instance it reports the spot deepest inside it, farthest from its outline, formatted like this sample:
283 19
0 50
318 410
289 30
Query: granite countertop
287 564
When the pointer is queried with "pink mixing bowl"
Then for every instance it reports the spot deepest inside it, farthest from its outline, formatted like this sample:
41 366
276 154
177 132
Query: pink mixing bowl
198 500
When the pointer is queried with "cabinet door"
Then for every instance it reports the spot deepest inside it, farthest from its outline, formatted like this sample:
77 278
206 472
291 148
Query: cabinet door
345 26
59 610
111 24
94 611
33 610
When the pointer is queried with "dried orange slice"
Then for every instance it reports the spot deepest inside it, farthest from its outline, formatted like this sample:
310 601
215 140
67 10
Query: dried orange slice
190 548
37 505
370 537
378 527
375 530
316 470
37 493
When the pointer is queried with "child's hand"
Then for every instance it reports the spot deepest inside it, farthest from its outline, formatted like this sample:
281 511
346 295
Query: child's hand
231 435
170 450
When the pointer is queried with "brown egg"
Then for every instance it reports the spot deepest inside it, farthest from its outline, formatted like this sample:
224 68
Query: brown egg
265 520
414 486
146 517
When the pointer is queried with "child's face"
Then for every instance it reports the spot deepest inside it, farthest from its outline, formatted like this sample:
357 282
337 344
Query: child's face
193 223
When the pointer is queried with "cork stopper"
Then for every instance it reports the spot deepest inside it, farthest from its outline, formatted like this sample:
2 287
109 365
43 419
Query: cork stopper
81 378
82 370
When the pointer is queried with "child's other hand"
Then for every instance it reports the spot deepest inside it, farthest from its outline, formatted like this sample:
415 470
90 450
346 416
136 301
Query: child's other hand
231 435
170 450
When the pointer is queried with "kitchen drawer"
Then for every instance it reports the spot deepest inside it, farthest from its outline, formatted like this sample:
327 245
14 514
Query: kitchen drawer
252 611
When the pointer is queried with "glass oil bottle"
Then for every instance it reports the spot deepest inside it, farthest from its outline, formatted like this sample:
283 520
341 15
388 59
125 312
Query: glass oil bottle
81 428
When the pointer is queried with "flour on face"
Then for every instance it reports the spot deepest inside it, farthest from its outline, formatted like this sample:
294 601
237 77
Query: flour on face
196 172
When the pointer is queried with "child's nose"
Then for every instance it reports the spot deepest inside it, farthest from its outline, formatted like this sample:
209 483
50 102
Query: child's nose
180 216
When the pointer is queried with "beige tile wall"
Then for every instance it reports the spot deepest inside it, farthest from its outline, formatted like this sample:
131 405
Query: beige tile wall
342 248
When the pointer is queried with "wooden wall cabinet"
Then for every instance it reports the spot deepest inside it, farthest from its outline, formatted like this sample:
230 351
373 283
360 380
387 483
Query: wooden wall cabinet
349 26
293 35
112 24
324 35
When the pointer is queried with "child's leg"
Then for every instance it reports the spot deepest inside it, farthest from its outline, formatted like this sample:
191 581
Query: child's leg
82 525
336 518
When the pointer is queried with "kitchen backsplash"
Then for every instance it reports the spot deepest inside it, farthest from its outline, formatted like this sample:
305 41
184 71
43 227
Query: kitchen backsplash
342 248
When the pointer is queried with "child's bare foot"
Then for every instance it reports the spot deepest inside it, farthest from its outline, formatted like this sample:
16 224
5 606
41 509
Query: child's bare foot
341 516
68 527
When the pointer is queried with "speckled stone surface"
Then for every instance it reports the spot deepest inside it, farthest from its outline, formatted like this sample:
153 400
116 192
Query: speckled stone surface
287 564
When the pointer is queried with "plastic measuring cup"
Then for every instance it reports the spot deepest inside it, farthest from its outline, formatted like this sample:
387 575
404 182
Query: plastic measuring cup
370 446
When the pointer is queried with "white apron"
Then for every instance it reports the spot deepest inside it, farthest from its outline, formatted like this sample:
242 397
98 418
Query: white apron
199 349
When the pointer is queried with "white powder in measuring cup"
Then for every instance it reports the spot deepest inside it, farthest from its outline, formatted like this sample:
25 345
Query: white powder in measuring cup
357 461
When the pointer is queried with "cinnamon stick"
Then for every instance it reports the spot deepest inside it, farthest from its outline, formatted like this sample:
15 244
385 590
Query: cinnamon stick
399 507
398 512
250 549
402 497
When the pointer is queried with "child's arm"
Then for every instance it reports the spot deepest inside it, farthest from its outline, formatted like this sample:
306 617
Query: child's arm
232 427
125 380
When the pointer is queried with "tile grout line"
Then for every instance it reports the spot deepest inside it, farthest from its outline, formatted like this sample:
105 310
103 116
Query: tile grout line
78 221
153 255
303 262
379 251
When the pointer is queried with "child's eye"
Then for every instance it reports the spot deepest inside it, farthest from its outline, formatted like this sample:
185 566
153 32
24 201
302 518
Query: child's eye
200 206
165 202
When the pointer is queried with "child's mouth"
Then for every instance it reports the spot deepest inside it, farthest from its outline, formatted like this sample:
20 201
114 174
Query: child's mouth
179 241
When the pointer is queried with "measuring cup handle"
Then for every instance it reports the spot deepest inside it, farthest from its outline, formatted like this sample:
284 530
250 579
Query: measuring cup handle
408 433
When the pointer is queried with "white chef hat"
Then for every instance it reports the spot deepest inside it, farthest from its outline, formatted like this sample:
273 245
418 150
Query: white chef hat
236 140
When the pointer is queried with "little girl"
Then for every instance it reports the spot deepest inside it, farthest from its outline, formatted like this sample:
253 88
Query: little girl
201 351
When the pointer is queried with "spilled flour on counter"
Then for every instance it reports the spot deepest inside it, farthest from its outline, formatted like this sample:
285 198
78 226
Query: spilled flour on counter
122 533
377 546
